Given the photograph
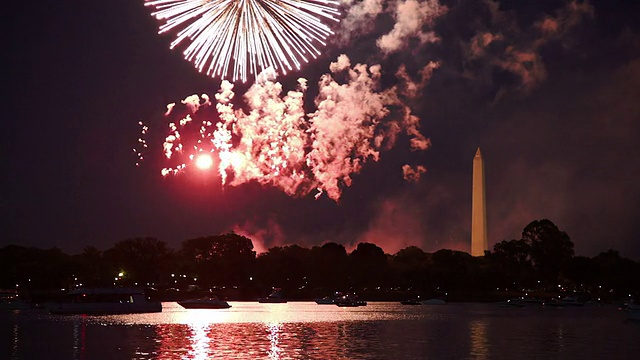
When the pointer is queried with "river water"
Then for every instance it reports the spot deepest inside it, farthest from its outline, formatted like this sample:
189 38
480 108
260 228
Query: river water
305 330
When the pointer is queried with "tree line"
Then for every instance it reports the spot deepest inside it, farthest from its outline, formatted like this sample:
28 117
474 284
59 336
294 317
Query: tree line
541 262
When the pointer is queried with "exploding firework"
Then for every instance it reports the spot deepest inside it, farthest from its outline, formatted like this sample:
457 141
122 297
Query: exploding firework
244 37
277 144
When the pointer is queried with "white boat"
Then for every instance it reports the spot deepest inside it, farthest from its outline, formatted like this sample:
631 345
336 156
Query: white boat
105 301
433 301
274 298
9 300
205 303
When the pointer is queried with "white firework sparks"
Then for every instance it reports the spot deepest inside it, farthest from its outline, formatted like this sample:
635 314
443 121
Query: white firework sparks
244 37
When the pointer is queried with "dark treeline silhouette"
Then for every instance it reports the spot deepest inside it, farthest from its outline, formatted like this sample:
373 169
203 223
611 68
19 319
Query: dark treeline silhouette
541 263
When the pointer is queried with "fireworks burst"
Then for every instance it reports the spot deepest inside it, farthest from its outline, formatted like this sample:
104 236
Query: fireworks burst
245 37
276 143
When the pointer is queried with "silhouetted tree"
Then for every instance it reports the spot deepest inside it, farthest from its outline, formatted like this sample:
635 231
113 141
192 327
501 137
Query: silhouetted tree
91 269
142 259
328 267
220 260
551 249
582 272
30 267
368 265
285 267
513 257
616 275
450 269
409 267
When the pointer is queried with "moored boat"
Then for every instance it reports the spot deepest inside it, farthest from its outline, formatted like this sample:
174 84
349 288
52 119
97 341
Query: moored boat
531 300
566 301
433 301
350 301
211 302
514 302
105 301
634 311
274 298
411 302
9 300
328 300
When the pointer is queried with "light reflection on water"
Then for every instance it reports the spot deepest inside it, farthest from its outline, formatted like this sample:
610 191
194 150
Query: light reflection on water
310 331
478 337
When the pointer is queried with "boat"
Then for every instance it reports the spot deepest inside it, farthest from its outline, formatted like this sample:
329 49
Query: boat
566 301
274 298
105 301
211 302
634 311
328 300
531 300
350 301
9 300
411 302
433 301
513 302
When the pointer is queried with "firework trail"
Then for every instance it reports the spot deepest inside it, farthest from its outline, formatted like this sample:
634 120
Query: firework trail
276 143
245 37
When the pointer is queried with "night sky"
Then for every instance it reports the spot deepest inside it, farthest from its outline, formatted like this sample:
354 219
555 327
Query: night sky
549 90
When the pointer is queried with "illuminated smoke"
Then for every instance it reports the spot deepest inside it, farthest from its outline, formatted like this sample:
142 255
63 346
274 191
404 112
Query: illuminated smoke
413 174
263 236
411 17
274 142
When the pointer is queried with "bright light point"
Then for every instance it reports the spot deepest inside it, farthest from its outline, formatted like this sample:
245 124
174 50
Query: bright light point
204 161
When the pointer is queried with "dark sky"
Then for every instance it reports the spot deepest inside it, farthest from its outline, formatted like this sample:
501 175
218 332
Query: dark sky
549 90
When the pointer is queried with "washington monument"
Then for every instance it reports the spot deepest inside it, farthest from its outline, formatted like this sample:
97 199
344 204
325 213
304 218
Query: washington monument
478 208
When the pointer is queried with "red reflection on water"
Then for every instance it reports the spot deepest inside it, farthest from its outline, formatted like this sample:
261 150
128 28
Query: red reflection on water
200 340
174 341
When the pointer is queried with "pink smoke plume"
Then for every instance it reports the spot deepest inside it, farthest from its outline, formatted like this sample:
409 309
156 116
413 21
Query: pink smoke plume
262 237
275 142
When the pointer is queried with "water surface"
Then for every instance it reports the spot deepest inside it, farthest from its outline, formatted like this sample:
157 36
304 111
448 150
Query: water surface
305 330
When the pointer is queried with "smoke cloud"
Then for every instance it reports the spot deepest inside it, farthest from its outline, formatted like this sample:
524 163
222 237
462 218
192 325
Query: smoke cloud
263 237
413 174
411 17
503 44
413 20
276 143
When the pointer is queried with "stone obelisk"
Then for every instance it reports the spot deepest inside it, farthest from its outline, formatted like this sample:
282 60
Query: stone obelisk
478 208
